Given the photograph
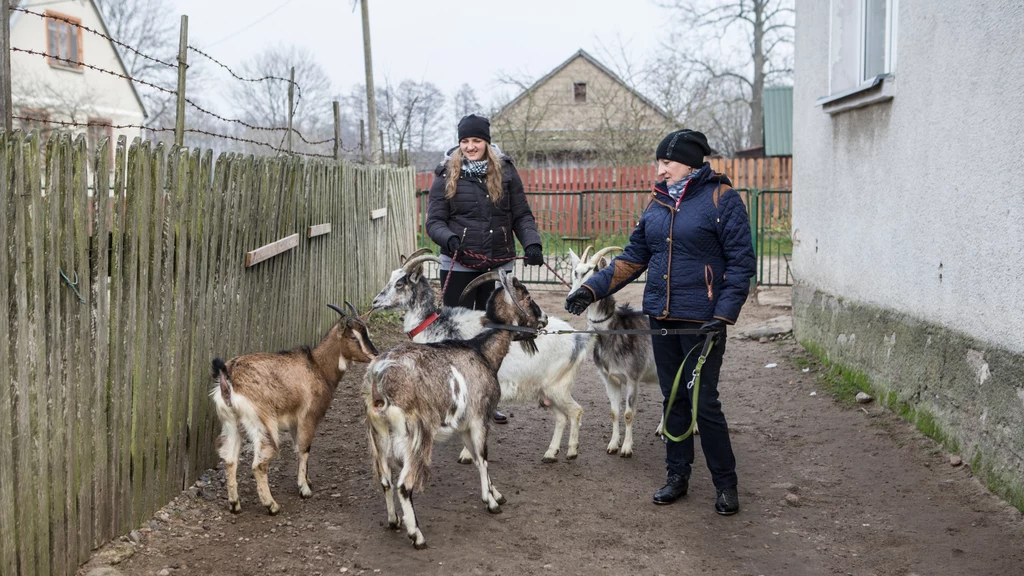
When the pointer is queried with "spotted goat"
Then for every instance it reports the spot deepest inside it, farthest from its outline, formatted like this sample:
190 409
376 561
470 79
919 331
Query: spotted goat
546 378
624 361
261 395
417 394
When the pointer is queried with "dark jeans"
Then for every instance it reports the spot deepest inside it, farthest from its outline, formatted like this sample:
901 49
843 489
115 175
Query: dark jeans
476 299
669 352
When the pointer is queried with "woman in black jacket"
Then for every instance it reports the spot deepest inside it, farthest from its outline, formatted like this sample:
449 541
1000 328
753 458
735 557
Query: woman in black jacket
477 207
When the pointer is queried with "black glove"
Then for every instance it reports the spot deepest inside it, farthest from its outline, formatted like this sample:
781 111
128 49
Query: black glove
454 244
578 301
715 326
534 255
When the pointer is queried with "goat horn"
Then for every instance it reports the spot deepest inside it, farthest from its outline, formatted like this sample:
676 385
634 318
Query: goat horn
352 309
418 261
415 254
597 256
491 276
338 310
583 258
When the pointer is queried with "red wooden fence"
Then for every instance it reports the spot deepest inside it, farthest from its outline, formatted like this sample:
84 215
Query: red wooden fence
761 173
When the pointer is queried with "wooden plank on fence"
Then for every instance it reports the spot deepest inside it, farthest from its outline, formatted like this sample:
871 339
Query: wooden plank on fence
270 250
141 385
25 456
117 418
190 361
8 513
100 317
181 332
160 346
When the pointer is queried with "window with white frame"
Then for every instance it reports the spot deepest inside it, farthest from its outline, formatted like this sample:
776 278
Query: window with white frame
862 42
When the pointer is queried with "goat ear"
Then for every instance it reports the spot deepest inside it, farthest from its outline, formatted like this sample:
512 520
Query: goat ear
573 258
602 263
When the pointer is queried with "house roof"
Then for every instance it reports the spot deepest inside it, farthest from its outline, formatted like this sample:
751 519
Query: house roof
16 16
778 121
583 54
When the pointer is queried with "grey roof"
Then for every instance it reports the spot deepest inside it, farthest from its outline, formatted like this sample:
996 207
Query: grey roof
583 54
778 121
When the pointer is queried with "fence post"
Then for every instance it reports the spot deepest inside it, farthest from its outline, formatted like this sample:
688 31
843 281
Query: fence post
362 140
179 119
291 111
5 65
755 212
337 130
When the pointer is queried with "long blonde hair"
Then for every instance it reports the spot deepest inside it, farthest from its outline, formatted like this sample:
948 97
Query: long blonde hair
494 174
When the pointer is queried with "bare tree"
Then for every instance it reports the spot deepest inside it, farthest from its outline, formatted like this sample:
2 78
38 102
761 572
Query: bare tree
148 26
409 116
516 126
465 102
766 29
265 103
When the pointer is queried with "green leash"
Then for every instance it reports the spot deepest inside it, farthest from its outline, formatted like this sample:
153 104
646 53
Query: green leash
708 343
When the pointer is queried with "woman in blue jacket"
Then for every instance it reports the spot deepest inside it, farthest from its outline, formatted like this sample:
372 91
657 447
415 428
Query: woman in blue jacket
694 241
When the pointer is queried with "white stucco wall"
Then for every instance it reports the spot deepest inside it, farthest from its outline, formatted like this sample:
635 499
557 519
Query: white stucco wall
889 197
65 93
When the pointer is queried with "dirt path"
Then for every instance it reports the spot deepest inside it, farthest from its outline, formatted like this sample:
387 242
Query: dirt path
873 497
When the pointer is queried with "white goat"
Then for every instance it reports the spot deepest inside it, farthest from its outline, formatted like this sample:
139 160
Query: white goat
418 393
621 359
292 390
546 378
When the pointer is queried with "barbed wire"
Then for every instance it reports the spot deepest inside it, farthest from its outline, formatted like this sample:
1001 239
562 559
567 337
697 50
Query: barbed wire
96 32
72 124
76 63
253 80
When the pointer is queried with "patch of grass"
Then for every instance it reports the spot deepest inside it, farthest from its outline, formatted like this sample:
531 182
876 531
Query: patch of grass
1005 484
802 362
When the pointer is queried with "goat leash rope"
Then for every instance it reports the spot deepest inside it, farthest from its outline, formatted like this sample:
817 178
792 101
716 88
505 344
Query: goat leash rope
709 342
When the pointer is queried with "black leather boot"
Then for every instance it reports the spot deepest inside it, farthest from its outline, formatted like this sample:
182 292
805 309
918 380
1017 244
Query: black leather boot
728 501
674 489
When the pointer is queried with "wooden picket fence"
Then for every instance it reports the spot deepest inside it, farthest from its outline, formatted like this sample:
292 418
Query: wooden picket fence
761 173
116 309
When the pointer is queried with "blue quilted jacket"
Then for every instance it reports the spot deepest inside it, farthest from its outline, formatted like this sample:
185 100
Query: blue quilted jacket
698 253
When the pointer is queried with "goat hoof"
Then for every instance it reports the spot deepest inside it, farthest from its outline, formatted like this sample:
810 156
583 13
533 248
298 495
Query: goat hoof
419 545
273 509
613 449
571 457
465 460
549 460
626 454
495 510
305 492
502 500
394 524
236 507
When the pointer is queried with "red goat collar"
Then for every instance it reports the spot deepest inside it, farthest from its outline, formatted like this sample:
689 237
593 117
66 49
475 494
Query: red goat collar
423 326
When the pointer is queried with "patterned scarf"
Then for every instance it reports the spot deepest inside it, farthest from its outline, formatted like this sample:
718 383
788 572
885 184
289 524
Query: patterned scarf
675 190
474 167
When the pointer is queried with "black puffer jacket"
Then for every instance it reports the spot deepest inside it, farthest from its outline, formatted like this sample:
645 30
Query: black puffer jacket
483 227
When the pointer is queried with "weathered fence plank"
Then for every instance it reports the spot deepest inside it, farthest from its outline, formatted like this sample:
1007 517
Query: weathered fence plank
101 329
8 514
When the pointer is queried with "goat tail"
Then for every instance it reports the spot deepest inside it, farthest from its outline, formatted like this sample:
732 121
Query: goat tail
220 374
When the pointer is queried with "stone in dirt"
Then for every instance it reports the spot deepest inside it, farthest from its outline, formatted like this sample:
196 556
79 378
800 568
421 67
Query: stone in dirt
775 327
135 536
787 486
863 398
164 572
104 571
792 499
955 460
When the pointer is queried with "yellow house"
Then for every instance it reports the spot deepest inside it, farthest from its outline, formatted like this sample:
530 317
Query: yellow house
580 114
56 87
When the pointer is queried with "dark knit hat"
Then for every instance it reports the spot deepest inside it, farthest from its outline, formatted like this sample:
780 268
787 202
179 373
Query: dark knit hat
687 147
474 126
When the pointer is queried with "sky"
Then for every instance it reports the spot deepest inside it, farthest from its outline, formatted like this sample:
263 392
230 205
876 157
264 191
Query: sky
447 43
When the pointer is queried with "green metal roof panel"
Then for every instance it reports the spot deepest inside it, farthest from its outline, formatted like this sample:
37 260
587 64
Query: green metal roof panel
778 121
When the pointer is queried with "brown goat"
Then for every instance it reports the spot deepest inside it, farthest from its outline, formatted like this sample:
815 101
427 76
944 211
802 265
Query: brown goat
292 390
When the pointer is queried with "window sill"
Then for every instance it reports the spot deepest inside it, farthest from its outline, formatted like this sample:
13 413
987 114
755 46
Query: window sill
881 88
78 70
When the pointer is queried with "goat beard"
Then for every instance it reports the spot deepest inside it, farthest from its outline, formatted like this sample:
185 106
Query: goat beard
529 346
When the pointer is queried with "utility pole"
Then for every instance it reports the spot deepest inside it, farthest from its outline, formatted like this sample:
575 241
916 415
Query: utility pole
371 104
179 119
5 66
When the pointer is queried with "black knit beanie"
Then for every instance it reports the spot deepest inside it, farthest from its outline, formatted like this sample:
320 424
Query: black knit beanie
474 126
687 147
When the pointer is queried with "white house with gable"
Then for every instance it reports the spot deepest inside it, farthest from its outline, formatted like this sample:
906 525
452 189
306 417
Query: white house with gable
55 86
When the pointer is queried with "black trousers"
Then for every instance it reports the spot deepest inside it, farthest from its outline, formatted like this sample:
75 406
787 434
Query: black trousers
669 352
476 299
